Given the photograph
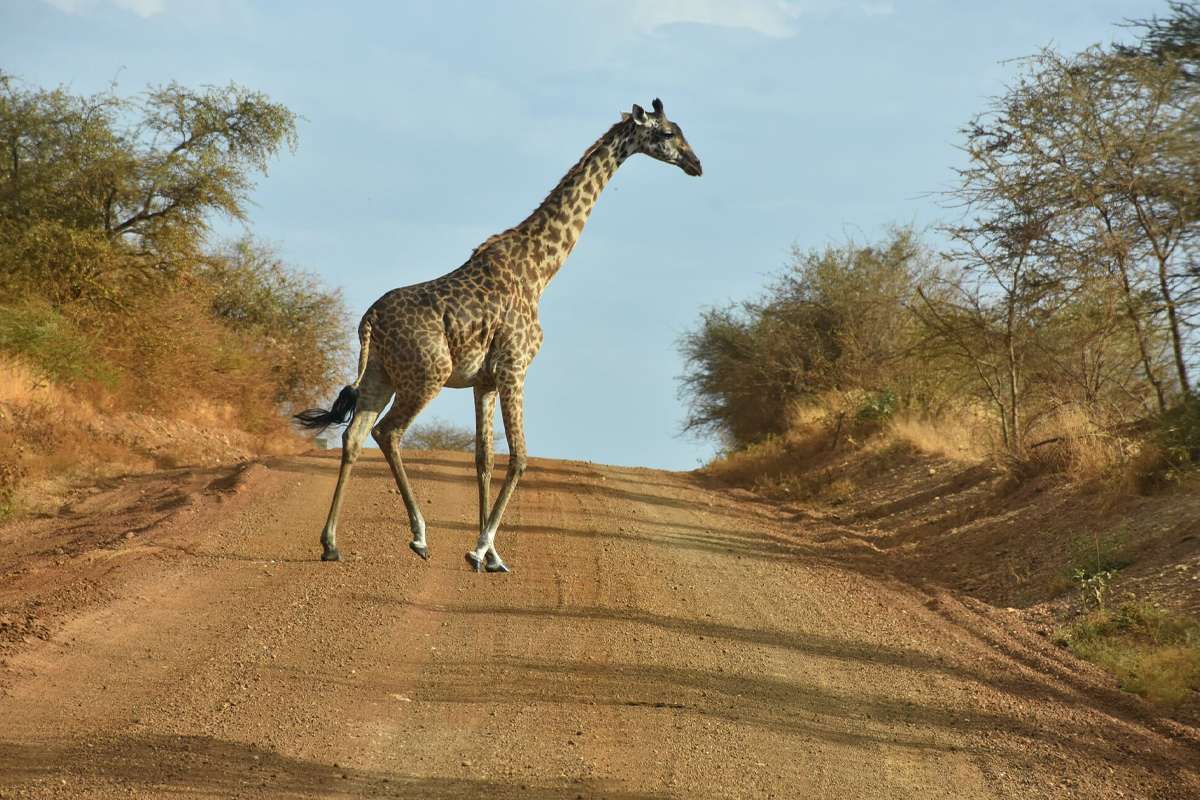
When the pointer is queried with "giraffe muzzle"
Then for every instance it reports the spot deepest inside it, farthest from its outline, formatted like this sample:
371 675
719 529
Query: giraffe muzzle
691 165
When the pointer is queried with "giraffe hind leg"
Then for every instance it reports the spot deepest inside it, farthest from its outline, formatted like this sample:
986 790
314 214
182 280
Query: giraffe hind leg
373 396
388 434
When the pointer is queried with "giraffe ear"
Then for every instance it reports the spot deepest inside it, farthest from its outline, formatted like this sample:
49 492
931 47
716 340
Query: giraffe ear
639 115
658 106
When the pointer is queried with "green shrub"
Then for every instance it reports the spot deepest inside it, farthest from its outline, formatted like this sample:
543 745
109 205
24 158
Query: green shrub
1179 437
1098 553
283 316
835 320
51 343
1152 652
1093 587
1170 449
878 407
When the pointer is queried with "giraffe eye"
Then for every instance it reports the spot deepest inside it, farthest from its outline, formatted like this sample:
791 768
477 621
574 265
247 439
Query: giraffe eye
665 134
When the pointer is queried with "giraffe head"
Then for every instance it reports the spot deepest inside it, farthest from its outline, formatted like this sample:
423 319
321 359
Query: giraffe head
658 137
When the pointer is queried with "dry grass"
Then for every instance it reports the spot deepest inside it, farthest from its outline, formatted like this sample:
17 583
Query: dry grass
959 437
51 436
830 456
1083 449
822 462
45 432
799 464
46 427
787 467
1090 452
1152 652
1113 461
20 385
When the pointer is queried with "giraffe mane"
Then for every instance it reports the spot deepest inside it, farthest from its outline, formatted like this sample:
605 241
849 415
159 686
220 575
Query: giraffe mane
588 153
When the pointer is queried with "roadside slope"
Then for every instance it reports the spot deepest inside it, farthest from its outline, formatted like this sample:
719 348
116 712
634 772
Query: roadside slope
655 640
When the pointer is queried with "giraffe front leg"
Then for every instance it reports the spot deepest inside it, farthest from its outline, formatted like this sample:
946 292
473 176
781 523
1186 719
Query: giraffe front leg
484 556
485 408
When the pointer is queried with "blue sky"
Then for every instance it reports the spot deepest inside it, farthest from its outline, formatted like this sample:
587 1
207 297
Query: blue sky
429 126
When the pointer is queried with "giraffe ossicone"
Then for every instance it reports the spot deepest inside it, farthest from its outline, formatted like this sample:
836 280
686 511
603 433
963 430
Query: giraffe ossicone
478 327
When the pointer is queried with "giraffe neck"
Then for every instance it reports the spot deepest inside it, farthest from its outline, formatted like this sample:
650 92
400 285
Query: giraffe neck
550 232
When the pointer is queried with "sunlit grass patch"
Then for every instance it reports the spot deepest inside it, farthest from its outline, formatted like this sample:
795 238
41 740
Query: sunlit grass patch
958 436
1152 652
51 343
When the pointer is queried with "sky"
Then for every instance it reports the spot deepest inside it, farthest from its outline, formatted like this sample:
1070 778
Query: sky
428 126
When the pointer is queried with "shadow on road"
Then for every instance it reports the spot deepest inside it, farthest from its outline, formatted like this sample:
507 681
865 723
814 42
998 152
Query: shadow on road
159 765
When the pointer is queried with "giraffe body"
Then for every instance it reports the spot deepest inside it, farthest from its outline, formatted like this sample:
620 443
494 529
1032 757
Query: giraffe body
478 327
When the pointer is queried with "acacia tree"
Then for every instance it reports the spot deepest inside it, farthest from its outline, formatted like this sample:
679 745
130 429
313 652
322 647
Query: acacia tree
1175 38
99 190
134 167
195 153
105 211
986 318
1105 144
1076 245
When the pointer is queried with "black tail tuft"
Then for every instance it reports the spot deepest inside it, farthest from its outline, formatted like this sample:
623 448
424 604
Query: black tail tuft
318 419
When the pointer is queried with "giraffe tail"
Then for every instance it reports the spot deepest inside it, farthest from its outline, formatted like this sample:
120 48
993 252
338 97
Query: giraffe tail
318 419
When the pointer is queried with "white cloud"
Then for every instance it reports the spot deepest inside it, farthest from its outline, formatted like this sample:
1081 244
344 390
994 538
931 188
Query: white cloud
878 9
775 18
142 8
767 17
69 6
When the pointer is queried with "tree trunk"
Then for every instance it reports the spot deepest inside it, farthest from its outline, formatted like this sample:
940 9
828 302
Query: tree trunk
1162 253
1173 325
1014 394
1140 335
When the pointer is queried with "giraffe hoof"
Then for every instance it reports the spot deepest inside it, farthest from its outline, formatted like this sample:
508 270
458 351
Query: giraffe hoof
331 554
499 566
475 561
419 549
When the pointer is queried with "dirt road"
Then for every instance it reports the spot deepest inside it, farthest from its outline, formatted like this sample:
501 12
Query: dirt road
175 636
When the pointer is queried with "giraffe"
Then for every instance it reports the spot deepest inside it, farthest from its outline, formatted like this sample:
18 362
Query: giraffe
478 327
